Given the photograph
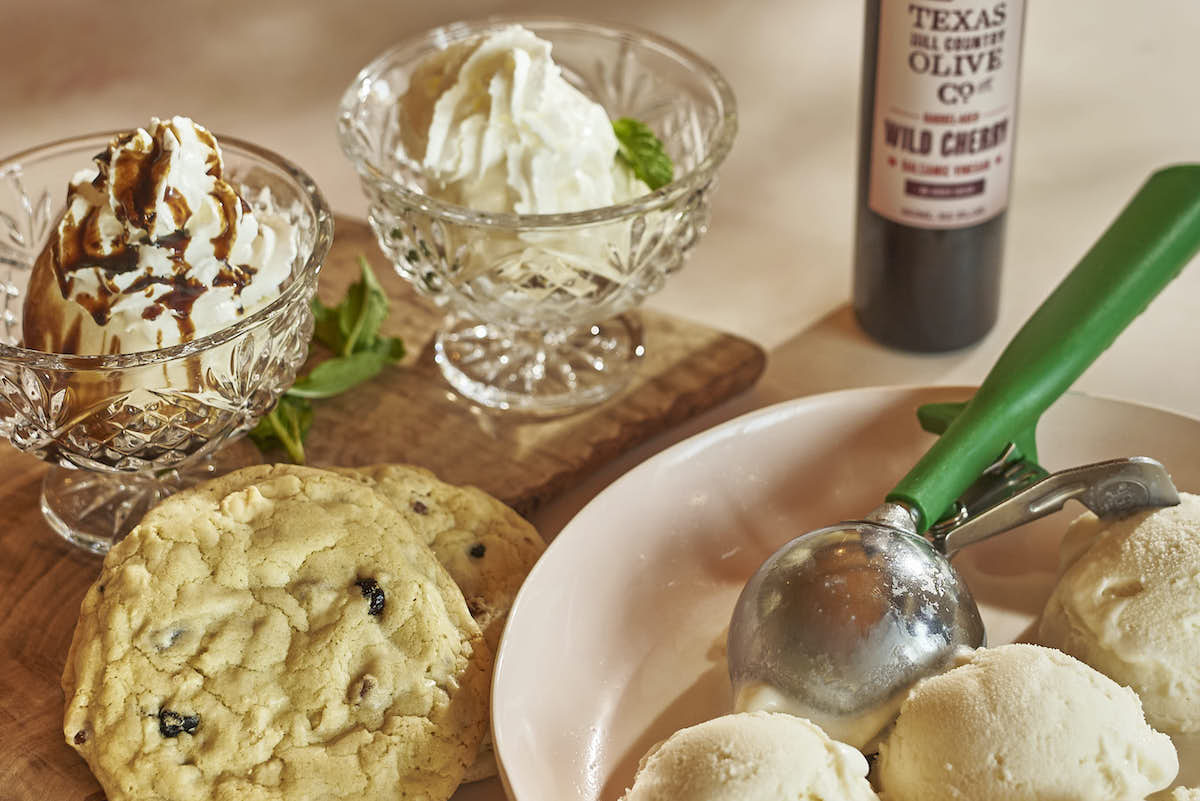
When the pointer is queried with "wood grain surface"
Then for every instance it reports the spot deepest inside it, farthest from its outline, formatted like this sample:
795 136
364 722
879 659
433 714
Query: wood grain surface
407 414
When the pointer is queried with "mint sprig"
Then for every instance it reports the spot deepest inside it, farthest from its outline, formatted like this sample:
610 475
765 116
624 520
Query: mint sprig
353 324
641 150
285 426
351 330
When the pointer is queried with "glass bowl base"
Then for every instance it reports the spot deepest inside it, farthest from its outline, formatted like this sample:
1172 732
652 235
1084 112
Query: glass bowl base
94 510
539 372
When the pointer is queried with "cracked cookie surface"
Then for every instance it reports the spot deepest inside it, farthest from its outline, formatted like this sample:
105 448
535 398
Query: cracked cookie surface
487 548
277 633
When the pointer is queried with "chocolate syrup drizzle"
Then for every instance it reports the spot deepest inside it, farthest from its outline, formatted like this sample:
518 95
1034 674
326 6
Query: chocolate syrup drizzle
134 180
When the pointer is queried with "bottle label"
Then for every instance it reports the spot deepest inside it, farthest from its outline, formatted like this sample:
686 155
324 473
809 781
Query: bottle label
945 110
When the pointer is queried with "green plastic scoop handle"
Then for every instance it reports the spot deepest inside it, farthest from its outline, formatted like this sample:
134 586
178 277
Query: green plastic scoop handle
1148 244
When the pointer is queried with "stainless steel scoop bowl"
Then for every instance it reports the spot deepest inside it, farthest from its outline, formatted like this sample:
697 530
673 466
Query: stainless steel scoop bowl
839 622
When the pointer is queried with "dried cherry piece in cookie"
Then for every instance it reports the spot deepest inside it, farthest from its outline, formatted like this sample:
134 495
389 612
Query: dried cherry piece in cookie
172 724
365 686
374 595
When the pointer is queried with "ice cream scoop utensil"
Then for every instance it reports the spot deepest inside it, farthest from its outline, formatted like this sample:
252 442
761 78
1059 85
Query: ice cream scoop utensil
827 606
1148 244
838 623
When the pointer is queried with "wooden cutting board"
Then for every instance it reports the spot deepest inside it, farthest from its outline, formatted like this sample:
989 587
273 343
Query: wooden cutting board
407 414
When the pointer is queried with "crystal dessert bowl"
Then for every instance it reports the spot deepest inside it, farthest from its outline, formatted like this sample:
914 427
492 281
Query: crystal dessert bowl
122 431
540 307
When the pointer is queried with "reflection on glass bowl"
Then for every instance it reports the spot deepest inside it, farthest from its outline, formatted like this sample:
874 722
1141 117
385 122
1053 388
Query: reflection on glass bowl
538 302
123 431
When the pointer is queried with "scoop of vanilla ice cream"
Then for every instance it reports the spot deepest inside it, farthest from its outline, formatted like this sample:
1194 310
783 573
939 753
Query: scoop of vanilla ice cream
496 125
1023 723
1128 604
1185 794
751 756
155 247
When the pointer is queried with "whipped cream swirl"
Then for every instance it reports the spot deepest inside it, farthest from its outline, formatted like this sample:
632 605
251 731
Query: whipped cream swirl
496 125
155 248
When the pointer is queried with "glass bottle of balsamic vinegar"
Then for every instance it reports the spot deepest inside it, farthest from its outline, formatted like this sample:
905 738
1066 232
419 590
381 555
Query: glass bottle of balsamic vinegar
937 123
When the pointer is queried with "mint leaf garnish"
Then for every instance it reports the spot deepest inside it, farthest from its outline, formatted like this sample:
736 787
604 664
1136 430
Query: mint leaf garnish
351 330
339 374
352 325
285 426
642 151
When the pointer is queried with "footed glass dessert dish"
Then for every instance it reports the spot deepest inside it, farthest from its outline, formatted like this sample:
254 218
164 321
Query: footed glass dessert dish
539 305
122 431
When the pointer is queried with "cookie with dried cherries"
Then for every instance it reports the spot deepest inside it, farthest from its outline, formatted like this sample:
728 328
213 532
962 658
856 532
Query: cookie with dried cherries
276 633
487 548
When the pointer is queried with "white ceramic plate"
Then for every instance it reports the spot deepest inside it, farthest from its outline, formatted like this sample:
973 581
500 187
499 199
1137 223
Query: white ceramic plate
617 637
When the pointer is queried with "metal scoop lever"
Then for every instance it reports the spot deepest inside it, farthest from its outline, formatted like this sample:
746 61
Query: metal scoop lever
1109 489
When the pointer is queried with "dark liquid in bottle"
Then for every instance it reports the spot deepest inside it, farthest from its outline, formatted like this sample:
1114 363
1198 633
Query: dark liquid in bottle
915 288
